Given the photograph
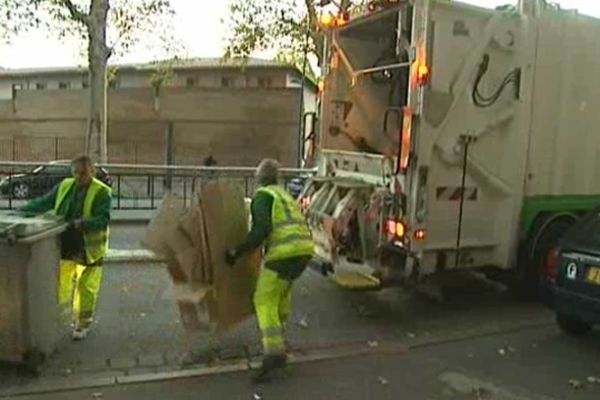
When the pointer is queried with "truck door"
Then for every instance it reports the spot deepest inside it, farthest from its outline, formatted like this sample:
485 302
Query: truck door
471 119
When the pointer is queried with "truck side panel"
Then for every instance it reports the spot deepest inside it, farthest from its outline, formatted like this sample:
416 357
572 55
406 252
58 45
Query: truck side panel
565 135
460 37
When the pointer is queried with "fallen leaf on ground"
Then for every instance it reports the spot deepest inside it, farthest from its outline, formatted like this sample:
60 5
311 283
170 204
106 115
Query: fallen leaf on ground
502 352
575 384
97 395
143 315
373 343
382 380
593 379
364 312
303 323
481 393
411 335
257 396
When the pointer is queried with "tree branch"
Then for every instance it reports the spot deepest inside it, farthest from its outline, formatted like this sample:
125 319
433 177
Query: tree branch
315 35
75 12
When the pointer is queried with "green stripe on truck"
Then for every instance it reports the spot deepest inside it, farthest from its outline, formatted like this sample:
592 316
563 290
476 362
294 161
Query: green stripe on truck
536 205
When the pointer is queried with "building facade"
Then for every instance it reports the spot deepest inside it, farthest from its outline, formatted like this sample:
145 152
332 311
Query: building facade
237 114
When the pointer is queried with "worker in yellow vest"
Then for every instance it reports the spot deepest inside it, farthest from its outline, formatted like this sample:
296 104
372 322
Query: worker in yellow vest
85 203
280 228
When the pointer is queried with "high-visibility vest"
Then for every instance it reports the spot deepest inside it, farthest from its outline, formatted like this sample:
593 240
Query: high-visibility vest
96 242
290 236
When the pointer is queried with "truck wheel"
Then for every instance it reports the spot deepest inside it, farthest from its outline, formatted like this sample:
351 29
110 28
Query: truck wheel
546 235
571 325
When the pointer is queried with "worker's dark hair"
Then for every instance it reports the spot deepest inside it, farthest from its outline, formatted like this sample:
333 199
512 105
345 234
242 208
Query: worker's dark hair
267 172
82 160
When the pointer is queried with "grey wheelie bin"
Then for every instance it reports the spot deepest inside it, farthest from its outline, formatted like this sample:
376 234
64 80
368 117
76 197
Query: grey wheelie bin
29 273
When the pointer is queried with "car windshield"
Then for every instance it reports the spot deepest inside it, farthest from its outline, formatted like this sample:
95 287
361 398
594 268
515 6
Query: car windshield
588 232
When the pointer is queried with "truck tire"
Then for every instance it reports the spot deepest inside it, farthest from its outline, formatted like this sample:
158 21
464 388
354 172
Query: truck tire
571 325
546 233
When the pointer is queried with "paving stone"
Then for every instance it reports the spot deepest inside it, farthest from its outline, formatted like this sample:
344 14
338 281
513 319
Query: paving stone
232 353
116 363
151 360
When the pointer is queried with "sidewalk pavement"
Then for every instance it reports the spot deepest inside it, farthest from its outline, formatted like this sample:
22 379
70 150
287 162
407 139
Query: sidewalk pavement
540 364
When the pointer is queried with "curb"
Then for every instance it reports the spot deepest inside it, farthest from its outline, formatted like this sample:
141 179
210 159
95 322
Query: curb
239 365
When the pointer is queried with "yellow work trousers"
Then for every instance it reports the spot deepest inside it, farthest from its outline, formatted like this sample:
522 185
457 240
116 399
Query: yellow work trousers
78 291
273 305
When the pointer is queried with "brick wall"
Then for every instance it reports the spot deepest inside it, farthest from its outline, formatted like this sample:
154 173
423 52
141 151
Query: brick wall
238 126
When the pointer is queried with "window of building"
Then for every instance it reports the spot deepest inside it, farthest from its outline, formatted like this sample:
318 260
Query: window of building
40 86
265 82
226 82
64 85
16 87
191 81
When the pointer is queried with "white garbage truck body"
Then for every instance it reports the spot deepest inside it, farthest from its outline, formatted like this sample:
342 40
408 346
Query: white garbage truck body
452 136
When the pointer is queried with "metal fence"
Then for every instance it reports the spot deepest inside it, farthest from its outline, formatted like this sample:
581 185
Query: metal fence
135 187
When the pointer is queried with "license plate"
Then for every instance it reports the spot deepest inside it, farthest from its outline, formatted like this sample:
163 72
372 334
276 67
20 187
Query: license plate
593 275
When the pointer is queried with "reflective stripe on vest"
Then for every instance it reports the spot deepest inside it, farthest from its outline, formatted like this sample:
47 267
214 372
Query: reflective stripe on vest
96 242
290 236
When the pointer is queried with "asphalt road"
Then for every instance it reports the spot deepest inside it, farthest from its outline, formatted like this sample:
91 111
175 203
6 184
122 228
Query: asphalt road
479 344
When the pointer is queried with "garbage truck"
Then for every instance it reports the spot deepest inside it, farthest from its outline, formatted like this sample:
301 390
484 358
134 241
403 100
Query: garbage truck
452 137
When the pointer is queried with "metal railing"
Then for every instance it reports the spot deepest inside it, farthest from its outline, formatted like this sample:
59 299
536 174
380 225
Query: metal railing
135 187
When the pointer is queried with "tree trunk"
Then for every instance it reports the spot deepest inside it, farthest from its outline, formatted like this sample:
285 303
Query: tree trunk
313 26
98 54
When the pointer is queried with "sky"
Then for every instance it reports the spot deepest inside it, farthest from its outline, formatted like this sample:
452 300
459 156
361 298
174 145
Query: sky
198 24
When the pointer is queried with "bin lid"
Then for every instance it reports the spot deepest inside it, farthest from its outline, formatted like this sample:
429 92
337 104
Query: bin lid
20 226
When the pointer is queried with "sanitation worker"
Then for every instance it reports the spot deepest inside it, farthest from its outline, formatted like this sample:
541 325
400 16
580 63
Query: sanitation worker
85 203
279 227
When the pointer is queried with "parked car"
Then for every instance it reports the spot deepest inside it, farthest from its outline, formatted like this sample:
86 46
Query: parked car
42 179
572 277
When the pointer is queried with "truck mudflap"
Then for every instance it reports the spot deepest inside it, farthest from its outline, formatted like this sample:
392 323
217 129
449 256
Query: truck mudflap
346 218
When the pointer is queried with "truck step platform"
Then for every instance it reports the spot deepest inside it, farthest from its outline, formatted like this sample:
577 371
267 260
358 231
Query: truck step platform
356 280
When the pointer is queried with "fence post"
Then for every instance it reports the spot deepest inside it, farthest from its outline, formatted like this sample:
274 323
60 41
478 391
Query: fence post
169 154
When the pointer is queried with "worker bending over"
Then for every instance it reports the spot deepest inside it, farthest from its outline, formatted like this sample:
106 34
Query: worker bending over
85 203
279 226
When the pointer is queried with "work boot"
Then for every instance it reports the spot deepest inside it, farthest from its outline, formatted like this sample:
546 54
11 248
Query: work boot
80 333
270 365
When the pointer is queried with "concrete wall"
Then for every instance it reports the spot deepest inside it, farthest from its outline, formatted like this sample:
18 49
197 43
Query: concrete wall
238 127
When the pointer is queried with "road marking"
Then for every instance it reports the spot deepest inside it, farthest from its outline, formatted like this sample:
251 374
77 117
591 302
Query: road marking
469 385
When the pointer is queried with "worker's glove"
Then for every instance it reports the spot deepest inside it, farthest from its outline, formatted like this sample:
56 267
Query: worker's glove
231 257
76 224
